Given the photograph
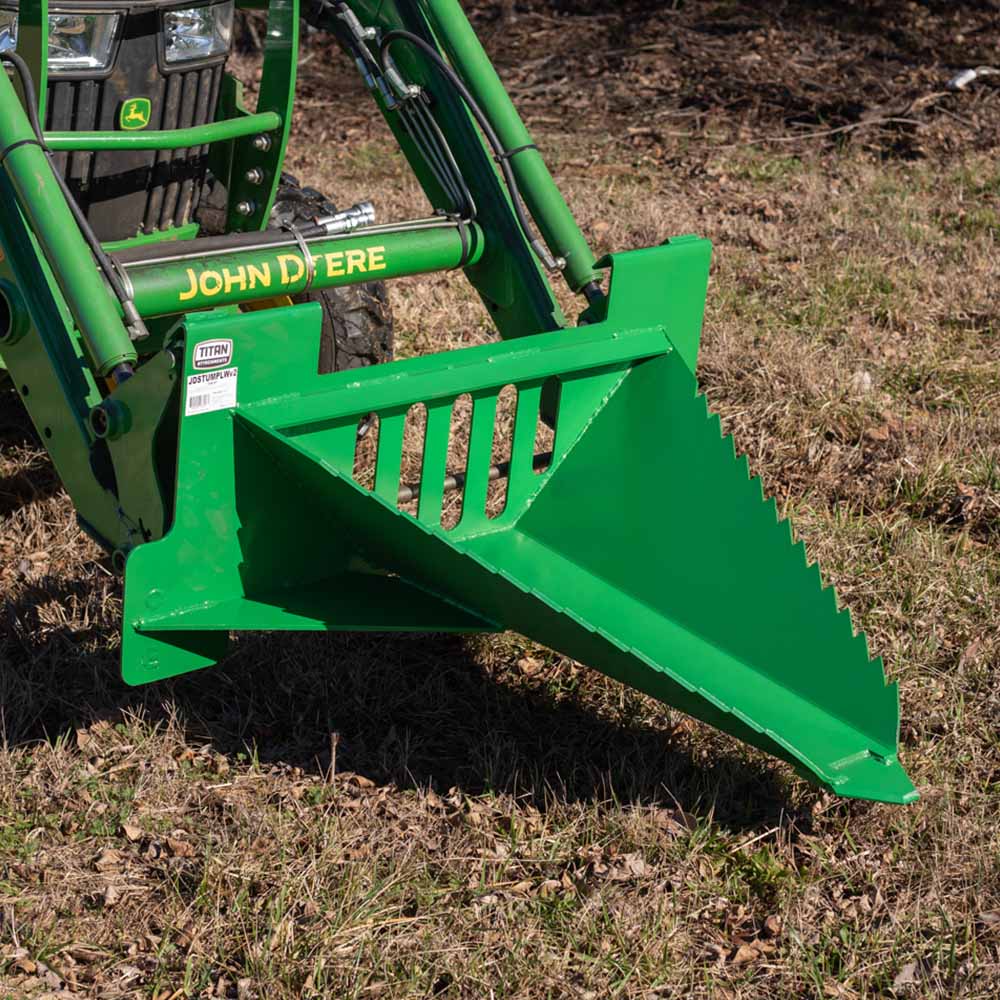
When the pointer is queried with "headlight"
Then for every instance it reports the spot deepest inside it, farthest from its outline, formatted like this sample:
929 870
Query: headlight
76 41
81 41
198 32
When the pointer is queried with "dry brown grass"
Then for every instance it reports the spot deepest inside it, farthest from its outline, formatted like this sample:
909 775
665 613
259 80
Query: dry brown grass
368 816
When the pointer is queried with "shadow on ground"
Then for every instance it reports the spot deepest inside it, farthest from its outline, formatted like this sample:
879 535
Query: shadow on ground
418 711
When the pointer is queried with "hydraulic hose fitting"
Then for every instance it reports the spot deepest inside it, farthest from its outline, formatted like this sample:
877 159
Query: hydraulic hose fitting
356 217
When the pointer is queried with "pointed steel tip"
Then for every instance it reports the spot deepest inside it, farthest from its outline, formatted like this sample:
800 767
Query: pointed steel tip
875 779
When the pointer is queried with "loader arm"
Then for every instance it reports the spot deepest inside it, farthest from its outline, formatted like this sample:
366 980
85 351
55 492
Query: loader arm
202 448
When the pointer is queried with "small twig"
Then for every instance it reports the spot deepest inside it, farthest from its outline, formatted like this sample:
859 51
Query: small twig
331 774
959 118
753 840
13 928
826 132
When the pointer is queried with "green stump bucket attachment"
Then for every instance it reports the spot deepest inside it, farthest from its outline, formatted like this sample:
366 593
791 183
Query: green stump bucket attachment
180 402
644 550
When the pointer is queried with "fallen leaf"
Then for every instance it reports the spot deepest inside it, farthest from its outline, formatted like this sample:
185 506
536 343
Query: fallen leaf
484 902
970 654
861 383
84 953
906 976
629 866
529 666
131 833
744 954
180 848
675 821
108 860
772 926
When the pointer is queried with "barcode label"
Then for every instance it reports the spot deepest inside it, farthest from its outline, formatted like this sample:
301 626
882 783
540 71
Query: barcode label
211 391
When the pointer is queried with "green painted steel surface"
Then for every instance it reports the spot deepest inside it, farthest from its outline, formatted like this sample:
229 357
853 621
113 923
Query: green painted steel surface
49 368
163 289
558 227
179 138
646 550
275 96
176 234
39 198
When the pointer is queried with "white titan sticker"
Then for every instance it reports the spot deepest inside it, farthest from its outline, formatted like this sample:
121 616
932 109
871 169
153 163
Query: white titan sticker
213 354
211 391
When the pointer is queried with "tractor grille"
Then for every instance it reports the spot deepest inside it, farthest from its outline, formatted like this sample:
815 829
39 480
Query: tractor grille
127 193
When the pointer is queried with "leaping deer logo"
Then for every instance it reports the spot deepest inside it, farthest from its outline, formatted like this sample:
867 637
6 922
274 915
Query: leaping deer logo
135 113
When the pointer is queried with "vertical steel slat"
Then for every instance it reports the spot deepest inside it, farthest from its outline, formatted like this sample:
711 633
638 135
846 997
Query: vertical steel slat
522 453
477 472
435 463
389 459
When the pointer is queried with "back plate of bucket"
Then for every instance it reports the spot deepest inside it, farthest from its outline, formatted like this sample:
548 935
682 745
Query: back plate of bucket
645 550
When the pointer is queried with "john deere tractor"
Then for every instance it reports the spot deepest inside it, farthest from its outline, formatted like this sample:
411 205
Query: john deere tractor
156 66
204 348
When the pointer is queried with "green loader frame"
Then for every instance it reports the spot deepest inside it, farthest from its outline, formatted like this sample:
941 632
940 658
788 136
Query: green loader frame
182 409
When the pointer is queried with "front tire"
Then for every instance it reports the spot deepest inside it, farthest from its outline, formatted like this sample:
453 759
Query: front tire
357 319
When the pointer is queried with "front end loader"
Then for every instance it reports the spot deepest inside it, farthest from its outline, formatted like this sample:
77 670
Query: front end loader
163 319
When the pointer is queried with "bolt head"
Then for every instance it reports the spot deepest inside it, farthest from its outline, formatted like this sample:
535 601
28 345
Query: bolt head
245 208
262 142
255 175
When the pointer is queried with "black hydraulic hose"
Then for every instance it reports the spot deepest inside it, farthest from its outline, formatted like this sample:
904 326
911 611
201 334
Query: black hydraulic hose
501 154
418 122
416 128
132 318
470 203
